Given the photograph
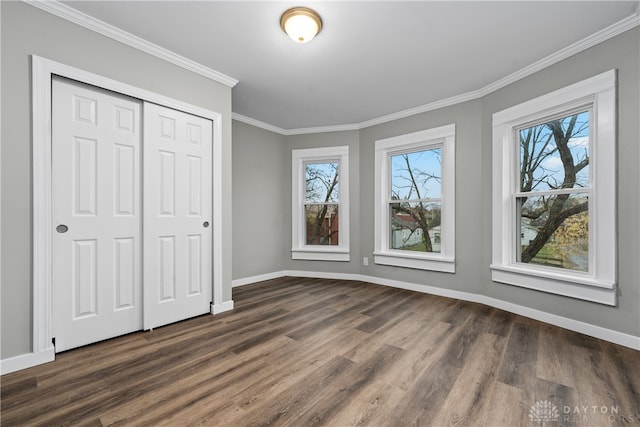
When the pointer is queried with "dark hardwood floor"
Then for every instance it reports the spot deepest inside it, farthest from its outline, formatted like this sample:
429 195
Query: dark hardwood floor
305 352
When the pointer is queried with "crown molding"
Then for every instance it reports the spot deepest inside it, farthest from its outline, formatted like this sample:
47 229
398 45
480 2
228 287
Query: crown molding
447 102
70 14
581 45
362 125
63 11
573 49
288 132
322 129
258 123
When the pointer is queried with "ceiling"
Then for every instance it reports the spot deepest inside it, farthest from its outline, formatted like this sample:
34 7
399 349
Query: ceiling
372 58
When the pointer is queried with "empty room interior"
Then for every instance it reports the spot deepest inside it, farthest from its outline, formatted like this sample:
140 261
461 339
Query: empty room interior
335 213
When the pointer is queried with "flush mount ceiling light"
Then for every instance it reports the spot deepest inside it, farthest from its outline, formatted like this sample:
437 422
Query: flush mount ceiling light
301 24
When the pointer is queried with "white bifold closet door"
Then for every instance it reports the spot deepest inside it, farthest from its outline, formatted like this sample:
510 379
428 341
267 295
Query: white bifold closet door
131 188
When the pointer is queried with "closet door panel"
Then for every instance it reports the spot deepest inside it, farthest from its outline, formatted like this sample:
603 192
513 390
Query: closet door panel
177 215
96 216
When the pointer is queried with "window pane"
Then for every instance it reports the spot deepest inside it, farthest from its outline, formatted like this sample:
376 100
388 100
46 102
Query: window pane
415 226
416 175
322 224
321 182
555 154
554 231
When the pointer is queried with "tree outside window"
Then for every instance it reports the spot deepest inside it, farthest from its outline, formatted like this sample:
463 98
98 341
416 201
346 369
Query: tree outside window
321 203
554 192
553 201
415 201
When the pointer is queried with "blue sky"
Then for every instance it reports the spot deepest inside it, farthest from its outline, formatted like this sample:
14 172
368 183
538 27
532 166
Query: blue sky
316 191
552 165
427 171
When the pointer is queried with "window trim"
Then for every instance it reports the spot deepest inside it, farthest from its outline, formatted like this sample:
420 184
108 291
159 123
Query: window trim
299 249
599 285
443 136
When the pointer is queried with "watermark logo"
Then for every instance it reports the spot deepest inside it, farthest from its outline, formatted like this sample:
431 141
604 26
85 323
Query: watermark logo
543 412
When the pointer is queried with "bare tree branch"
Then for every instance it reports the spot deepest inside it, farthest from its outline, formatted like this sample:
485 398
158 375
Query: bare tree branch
538 144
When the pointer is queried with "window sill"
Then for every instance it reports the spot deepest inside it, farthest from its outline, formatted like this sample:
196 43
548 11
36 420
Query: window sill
571 285
320 254
442 264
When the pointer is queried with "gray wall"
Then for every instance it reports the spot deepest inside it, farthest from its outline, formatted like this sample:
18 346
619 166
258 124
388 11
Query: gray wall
469 215
27 30
261 205
329 139
473 186
621 53
263 158
473 122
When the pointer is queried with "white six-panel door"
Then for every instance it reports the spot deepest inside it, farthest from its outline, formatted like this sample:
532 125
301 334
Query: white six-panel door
97 288
131 212
177 221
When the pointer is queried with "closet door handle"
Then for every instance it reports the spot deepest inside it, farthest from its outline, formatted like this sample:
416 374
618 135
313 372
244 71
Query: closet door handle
62 228
205 224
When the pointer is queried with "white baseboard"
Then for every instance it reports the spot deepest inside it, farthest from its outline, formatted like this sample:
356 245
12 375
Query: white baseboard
32 359
221 308
256 279
323 275
25 361
29 360
610 335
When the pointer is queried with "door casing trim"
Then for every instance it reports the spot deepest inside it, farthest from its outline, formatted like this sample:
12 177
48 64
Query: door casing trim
43 71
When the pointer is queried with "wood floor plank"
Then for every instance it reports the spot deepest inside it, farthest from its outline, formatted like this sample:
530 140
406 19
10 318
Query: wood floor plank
619 363
318 352
431 348
194 394
346 309
285 405
469 331
600 384
385 334
468 401
373 405
192 383
427 395
406 333
265 333
551 363
500 323
397 307
509 407
329 402
519 363
290 365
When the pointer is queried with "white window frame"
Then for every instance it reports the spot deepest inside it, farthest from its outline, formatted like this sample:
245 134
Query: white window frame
299 249
597 94
443 136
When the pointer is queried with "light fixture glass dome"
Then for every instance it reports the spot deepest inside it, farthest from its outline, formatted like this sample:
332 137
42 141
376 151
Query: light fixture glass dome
301 24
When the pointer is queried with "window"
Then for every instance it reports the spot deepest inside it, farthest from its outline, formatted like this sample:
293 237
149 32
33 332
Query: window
554 192
320 204
415 200
552 201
